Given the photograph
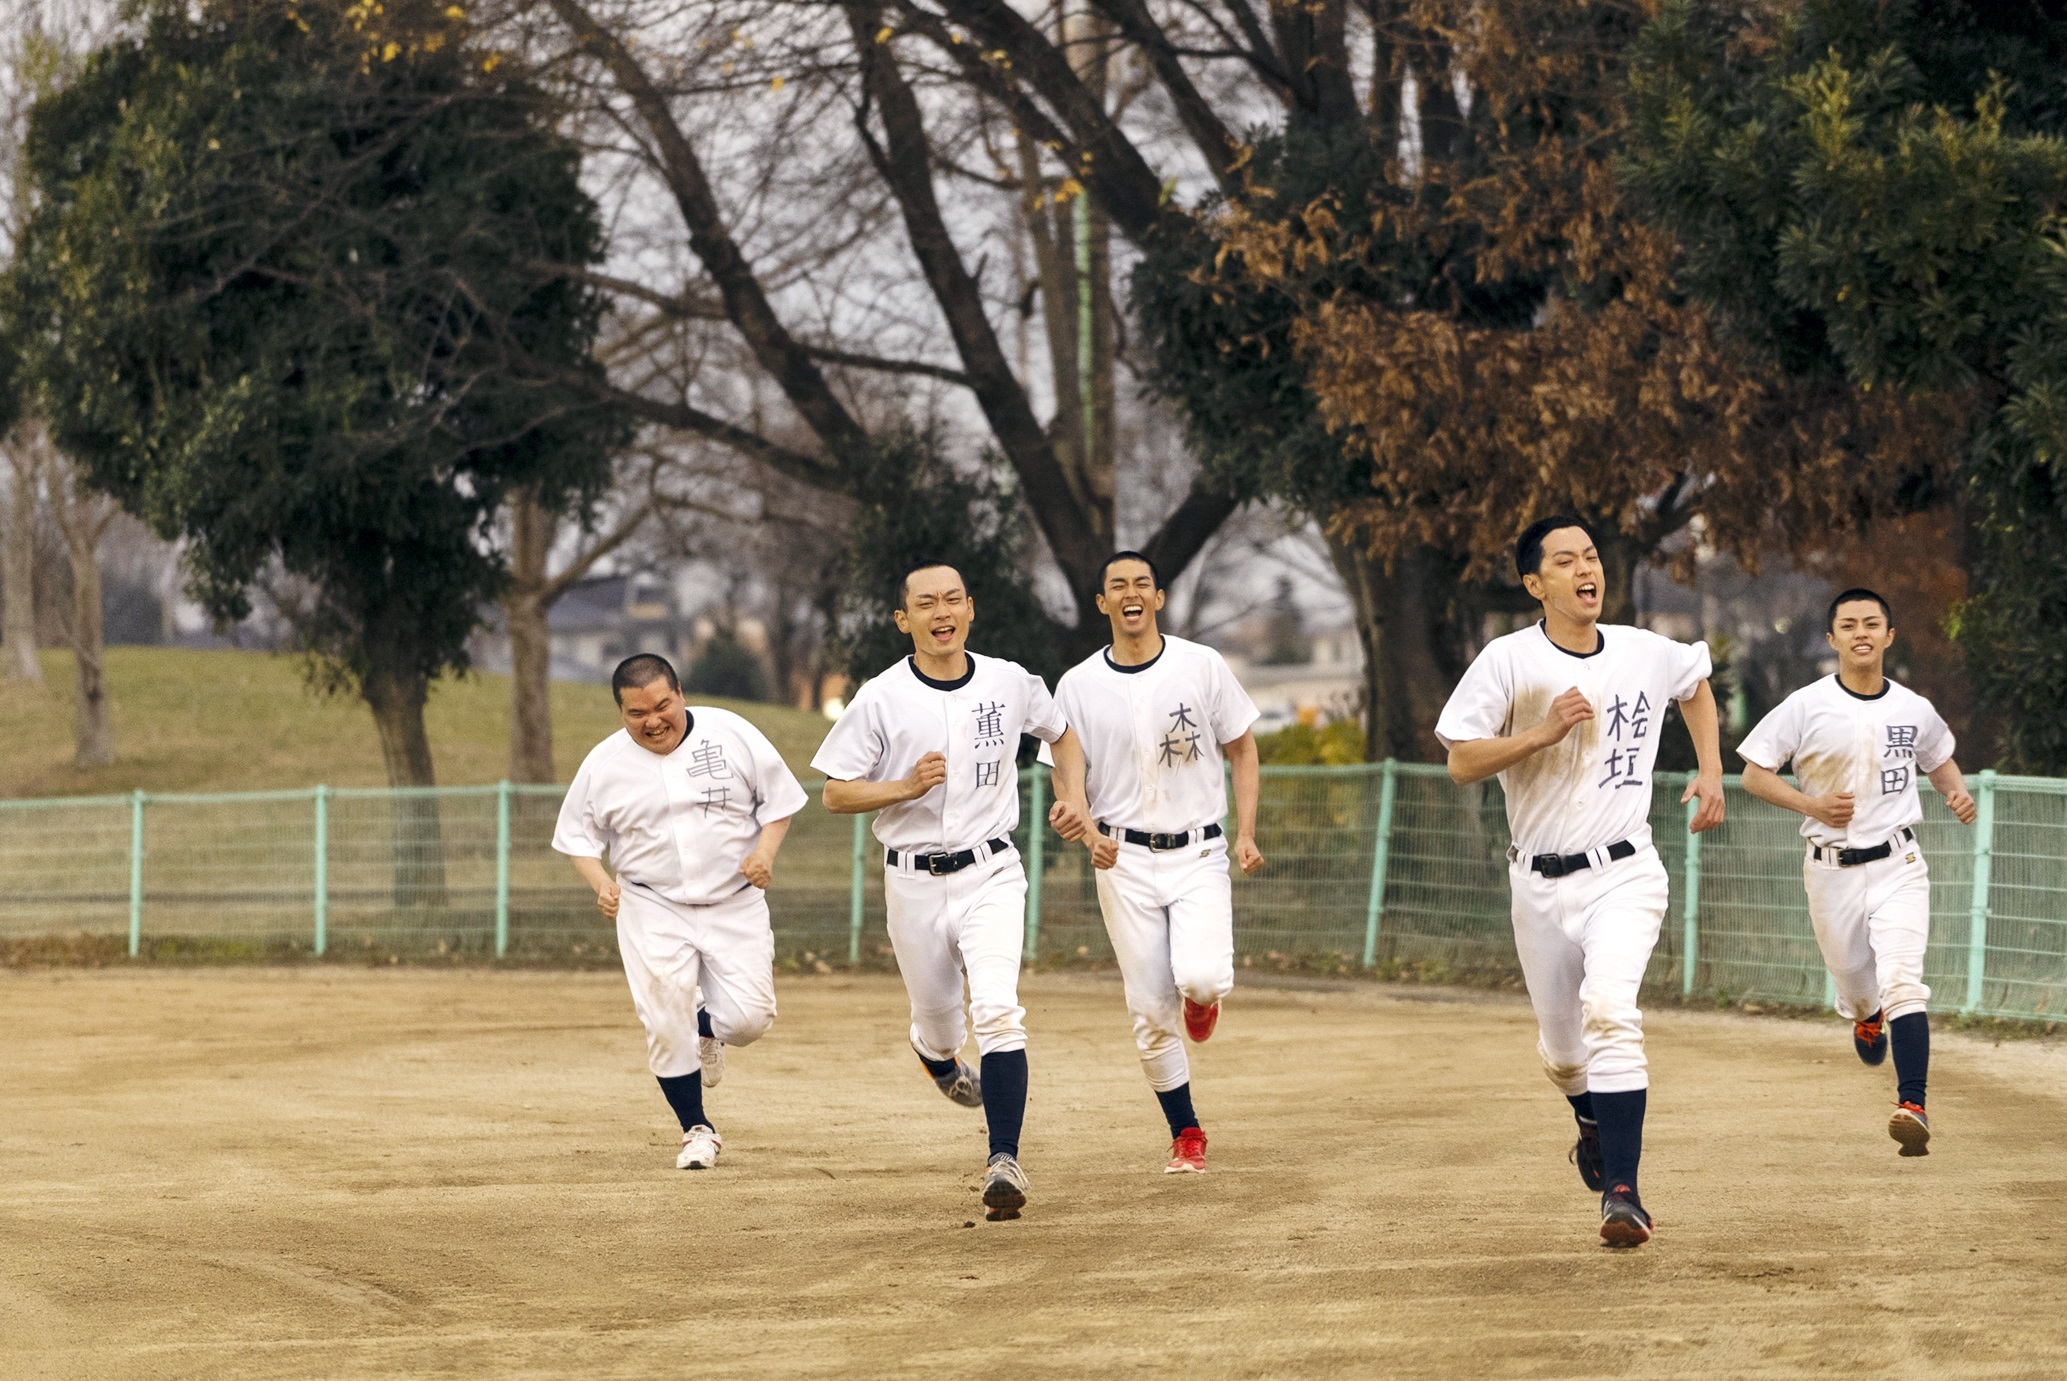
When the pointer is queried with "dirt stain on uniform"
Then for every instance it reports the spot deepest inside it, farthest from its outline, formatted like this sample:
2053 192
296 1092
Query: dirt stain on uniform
1823 774
1563 760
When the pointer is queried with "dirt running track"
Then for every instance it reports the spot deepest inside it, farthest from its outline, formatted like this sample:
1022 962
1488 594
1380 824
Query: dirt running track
364 1173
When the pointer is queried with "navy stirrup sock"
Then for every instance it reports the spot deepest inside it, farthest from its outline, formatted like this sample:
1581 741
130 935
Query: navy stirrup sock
1004 1099
703 1024
1621 1119
1911 1036
1582 1106
939 1069
1177 1108
685 1095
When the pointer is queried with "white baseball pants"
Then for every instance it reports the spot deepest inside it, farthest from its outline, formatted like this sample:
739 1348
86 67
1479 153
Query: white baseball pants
670 950
1872 923
1171 919
968 924
1585 940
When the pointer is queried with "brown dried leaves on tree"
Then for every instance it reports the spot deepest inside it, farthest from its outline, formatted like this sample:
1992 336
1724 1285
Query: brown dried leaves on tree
1618 401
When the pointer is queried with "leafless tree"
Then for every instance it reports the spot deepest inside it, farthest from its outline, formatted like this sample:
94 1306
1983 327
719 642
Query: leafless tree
535 530
839 211
40 41
23 477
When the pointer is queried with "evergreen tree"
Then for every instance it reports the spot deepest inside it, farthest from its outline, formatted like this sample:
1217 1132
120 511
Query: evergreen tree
1872 190
290 294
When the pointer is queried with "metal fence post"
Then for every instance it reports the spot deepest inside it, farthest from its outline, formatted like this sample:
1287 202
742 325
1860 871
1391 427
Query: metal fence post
502 868
136 873
1381 854
854 910
322 869
1036 856
1690 907
1984 869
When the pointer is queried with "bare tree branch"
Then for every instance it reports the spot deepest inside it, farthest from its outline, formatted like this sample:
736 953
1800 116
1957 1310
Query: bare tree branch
906 167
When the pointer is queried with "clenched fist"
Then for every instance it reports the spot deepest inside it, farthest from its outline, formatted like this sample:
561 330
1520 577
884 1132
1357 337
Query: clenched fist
1567 712
929 772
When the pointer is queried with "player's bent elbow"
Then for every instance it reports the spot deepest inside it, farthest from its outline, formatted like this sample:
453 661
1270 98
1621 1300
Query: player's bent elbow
837 800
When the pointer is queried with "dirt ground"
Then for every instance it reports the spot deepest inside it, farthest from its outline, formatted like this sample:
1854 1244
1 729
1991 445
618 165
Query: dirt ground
324 1172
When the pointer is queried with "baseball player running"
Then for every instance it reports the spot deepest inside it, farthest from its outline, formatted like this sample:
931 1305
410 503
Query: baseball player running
1566 713
1858 741
690 803
930 745
1157 715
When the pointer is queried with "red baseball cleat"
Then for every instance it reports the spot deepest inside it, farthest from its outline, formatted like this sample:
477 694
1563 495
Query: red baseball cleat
1200 1021
1187 1153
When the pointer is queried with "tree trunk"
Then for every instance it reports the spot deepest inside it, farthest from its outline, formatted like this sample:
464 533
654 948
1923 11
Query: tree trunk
82 517
1411 623
397 700
1619 557
93 736
531 649
18 543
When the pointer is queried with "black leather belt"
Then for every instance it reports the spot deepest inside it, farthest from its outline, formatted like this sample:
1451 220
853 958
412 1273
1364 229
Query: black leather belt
1160 843
1557 865
1852 858
939 865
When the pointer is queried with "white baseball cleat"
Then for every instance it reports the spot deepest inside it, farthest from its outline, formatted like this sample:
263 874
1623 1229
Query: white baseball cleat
711 1051
1004 1188
700 1147
963 1087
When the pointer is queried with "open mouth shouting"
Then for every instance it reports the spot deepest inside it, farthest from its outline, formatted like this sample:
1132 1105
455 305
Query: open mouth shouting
1588 591
942 633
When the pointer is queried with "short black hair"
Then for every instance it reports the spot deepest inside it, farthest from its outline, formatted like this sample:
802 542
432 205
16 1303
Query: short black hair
904 577
1853 596
1118 556
642 669
1528 548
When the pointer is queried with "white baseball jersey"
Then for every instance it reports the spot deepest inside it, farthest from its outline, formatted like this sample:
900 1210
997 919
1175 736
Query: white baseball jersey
975 723
679 825
1872 746
1152 735
1593 787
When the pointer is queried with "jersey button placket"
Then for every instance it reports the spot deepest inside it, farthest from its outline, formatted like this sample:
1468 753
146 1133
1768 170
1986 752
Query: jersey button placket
950 717
1582 775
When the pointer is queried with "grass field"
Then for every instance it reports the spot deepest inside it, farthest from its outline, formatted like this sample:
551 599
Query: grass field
246 721
301 1173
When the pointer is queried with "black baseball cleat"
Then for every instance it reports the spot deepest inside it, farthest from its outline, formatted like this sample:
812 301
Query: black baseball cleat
1911 1126
1870 1039
1586 1155
1623 1222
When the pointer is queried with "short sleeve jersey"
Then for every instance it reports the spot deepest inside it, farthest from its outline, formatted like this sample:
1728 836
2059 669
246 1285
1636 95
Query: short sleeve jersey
1870 745
679 825
1152 735
1593 787
975 722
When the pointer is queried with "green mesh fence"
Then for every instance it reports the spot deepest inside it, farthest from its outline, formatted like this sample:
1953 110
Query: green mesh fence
1387 866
